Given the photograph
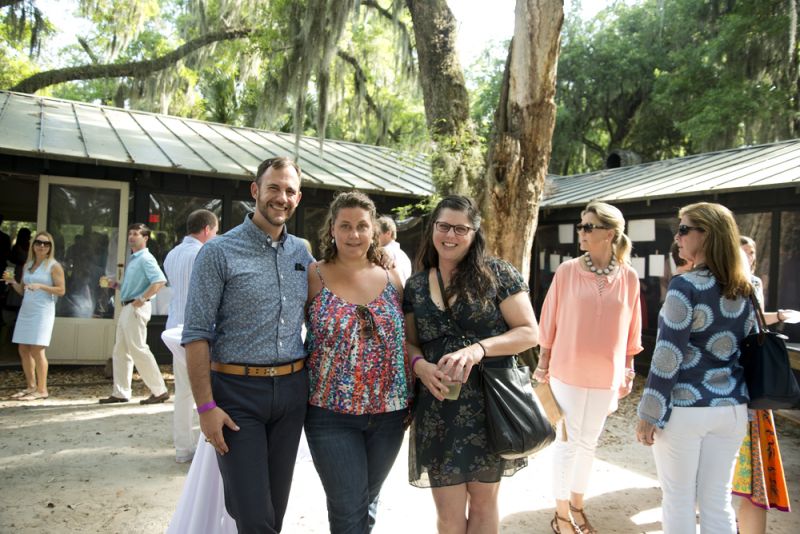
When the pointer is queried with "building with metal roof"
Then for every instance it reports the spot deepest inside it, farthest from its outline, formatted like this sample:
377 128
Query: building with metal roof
84 172
760 184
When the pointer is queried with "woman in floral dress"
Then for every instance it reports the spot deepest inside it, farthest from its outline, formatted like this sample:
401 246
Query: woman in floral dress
488 299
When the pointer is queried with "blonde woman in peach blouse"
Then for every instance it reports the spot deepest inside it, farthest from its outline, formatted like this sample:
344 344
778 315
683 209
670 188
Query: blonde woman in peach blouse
589 332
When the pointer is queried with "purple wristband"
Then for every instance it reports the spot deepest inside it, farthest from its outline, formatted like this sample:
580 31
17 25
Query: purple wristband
414 360
206 407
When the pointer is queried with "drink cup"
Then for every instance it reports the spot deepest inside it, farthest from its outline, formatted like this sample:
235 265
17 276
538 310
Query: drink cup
8 274
104 281
453 388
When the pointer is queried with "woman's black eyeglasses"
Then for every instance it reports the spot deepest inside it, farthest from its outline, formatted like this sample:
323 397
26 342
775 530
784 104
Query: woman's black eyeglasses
458 229
367 322
42 243
588 227
684 229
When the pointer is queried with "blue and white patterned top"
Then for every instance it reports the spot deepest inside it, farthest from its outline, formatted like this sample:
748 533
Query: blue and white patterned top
247 297
696 358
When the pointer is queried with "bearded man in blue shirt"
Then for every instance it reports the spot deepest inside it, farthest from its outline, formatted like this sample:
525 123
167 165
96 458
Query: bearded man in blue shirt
244 349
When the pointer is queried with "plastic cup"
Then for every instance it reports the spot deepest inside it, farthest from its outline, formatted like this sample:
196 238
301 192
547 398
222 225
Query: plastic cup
8 274
453 388
104 281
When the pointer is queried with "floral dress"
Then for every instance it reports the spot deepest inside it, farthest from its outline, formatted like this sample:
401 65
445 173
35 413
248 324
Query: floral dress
447 441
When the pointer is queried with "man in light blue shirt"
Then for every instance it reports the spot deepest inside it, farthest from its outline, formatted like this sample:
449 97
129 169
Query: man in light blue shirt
201 225
141 282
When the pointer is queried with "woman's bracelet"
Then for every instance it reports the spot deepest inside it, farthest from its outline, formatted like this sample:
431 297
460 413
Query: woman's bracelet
540 368
482 348
414 361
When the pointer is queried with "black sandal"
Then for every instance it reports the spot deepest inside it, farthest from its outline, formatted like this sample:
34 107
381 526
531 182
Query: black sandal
585 527
557 529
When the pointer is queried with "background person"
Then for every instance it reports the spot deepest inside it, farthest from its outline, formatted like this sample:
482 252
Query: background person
142 280
693 409
448 449
357 366
387 237
201 225
42 282
244 349
591 330
759 477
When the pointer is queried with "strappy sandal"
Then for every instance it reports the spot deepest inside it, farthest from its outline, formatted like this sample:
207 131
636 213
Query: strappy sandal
585 527
554 524
22 393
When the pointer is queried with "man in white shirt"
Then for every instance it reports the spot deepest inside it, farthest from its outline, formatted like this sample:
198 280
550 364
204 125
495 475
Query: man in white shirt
201 225
387 236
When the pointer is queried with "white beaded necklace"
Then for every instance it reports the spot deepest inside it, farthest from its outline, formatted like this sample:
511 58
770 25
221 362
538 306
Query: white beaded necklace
607 270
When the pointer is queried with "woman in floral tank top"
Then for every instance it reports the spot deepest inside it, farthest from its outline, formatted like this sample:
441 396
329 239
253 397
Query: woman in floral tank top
358 373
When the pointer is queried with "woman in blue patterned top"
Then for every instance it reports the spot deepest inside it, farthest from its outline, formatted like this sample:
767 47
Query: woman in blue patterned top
694 406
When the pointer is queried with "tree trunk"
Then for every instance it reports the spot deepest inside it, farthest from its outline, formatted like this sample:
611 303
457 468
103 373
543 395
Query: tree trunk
44 79
524 123
457 162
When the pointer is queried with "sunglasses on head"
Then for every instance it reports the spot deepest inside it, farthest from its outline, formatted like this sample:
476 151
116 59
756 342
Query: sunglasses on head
588 227
42 243
458 229
685 229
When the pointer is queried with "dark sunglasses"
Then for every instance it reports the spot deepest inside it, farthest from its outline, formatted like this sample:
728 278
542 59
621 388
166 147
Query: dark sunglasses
42 243
458 229
684 229
588 227
367 322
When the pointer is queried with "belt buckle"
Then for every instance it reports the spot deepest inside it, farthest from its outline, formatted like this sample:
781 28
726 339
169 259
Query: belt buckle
272 371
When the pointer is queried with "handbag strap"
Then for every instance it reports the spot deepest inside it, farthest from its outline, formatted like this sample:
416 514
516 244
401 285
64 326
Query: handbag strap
447 308
760 319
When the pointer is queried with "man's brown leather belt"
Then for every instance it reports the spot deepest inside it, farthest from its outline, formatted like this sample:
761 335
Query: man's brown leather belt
258 370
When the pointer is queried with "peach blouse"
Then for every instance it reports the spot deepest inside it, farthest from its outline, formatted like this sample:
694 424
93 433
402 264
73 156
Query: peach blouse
591 323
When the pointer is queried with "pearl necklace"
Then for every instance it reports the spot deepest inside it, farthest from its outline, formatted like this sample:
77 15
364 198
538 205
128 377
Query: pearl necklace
608 270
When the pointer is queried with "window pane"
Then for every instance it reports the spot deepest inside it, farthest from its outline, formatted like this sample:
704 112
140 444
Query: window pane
84 223
167 222
239 209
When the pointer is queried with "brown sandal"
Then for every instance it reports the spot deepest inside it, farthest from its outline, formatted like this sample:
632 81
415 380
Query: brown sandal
585 527
557 529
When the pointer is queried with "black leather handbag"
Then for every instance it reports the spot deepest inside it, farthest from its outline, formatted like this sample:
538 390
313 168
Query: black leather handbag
767 370
516 421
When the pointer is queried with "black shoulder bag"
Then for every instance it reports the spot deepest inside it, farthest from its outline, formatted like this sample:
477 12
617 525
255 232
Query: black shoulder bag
516 422
767 370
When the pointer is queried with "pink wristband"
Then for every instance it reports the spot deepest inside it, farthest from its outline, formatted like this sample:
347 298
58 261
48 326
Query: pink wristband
206 407
414 360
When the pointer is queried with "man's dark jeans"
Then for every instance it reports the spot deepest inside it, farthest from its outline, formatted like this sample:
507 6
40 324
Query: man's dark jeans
257 471
353 455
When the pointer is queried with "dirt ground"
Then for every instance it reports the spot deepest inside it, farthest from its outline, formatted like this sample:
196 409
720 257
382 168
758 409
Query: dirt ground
69 465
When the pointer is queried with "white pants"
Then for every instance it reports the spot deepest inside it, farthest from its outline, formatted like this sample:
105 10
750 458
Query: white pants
585 411
131 348
695 457
185 429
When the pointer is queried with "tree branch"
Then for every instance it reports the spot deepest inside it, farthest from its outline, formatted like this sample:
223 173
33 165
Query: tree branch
6 3
388 14
135 69
362 78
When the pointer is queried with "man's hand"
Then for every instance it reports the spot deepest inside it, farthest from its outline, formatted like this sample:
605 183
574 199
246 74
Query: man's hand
211 423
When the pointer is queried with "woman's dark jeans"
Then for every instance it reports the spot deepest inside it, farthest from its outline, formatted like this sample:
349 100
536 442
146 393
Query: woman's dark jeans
353 454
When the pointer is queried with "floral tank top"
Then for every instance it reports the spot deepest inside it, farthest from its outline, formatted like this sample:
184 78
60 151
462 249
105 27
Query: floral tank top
356 353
